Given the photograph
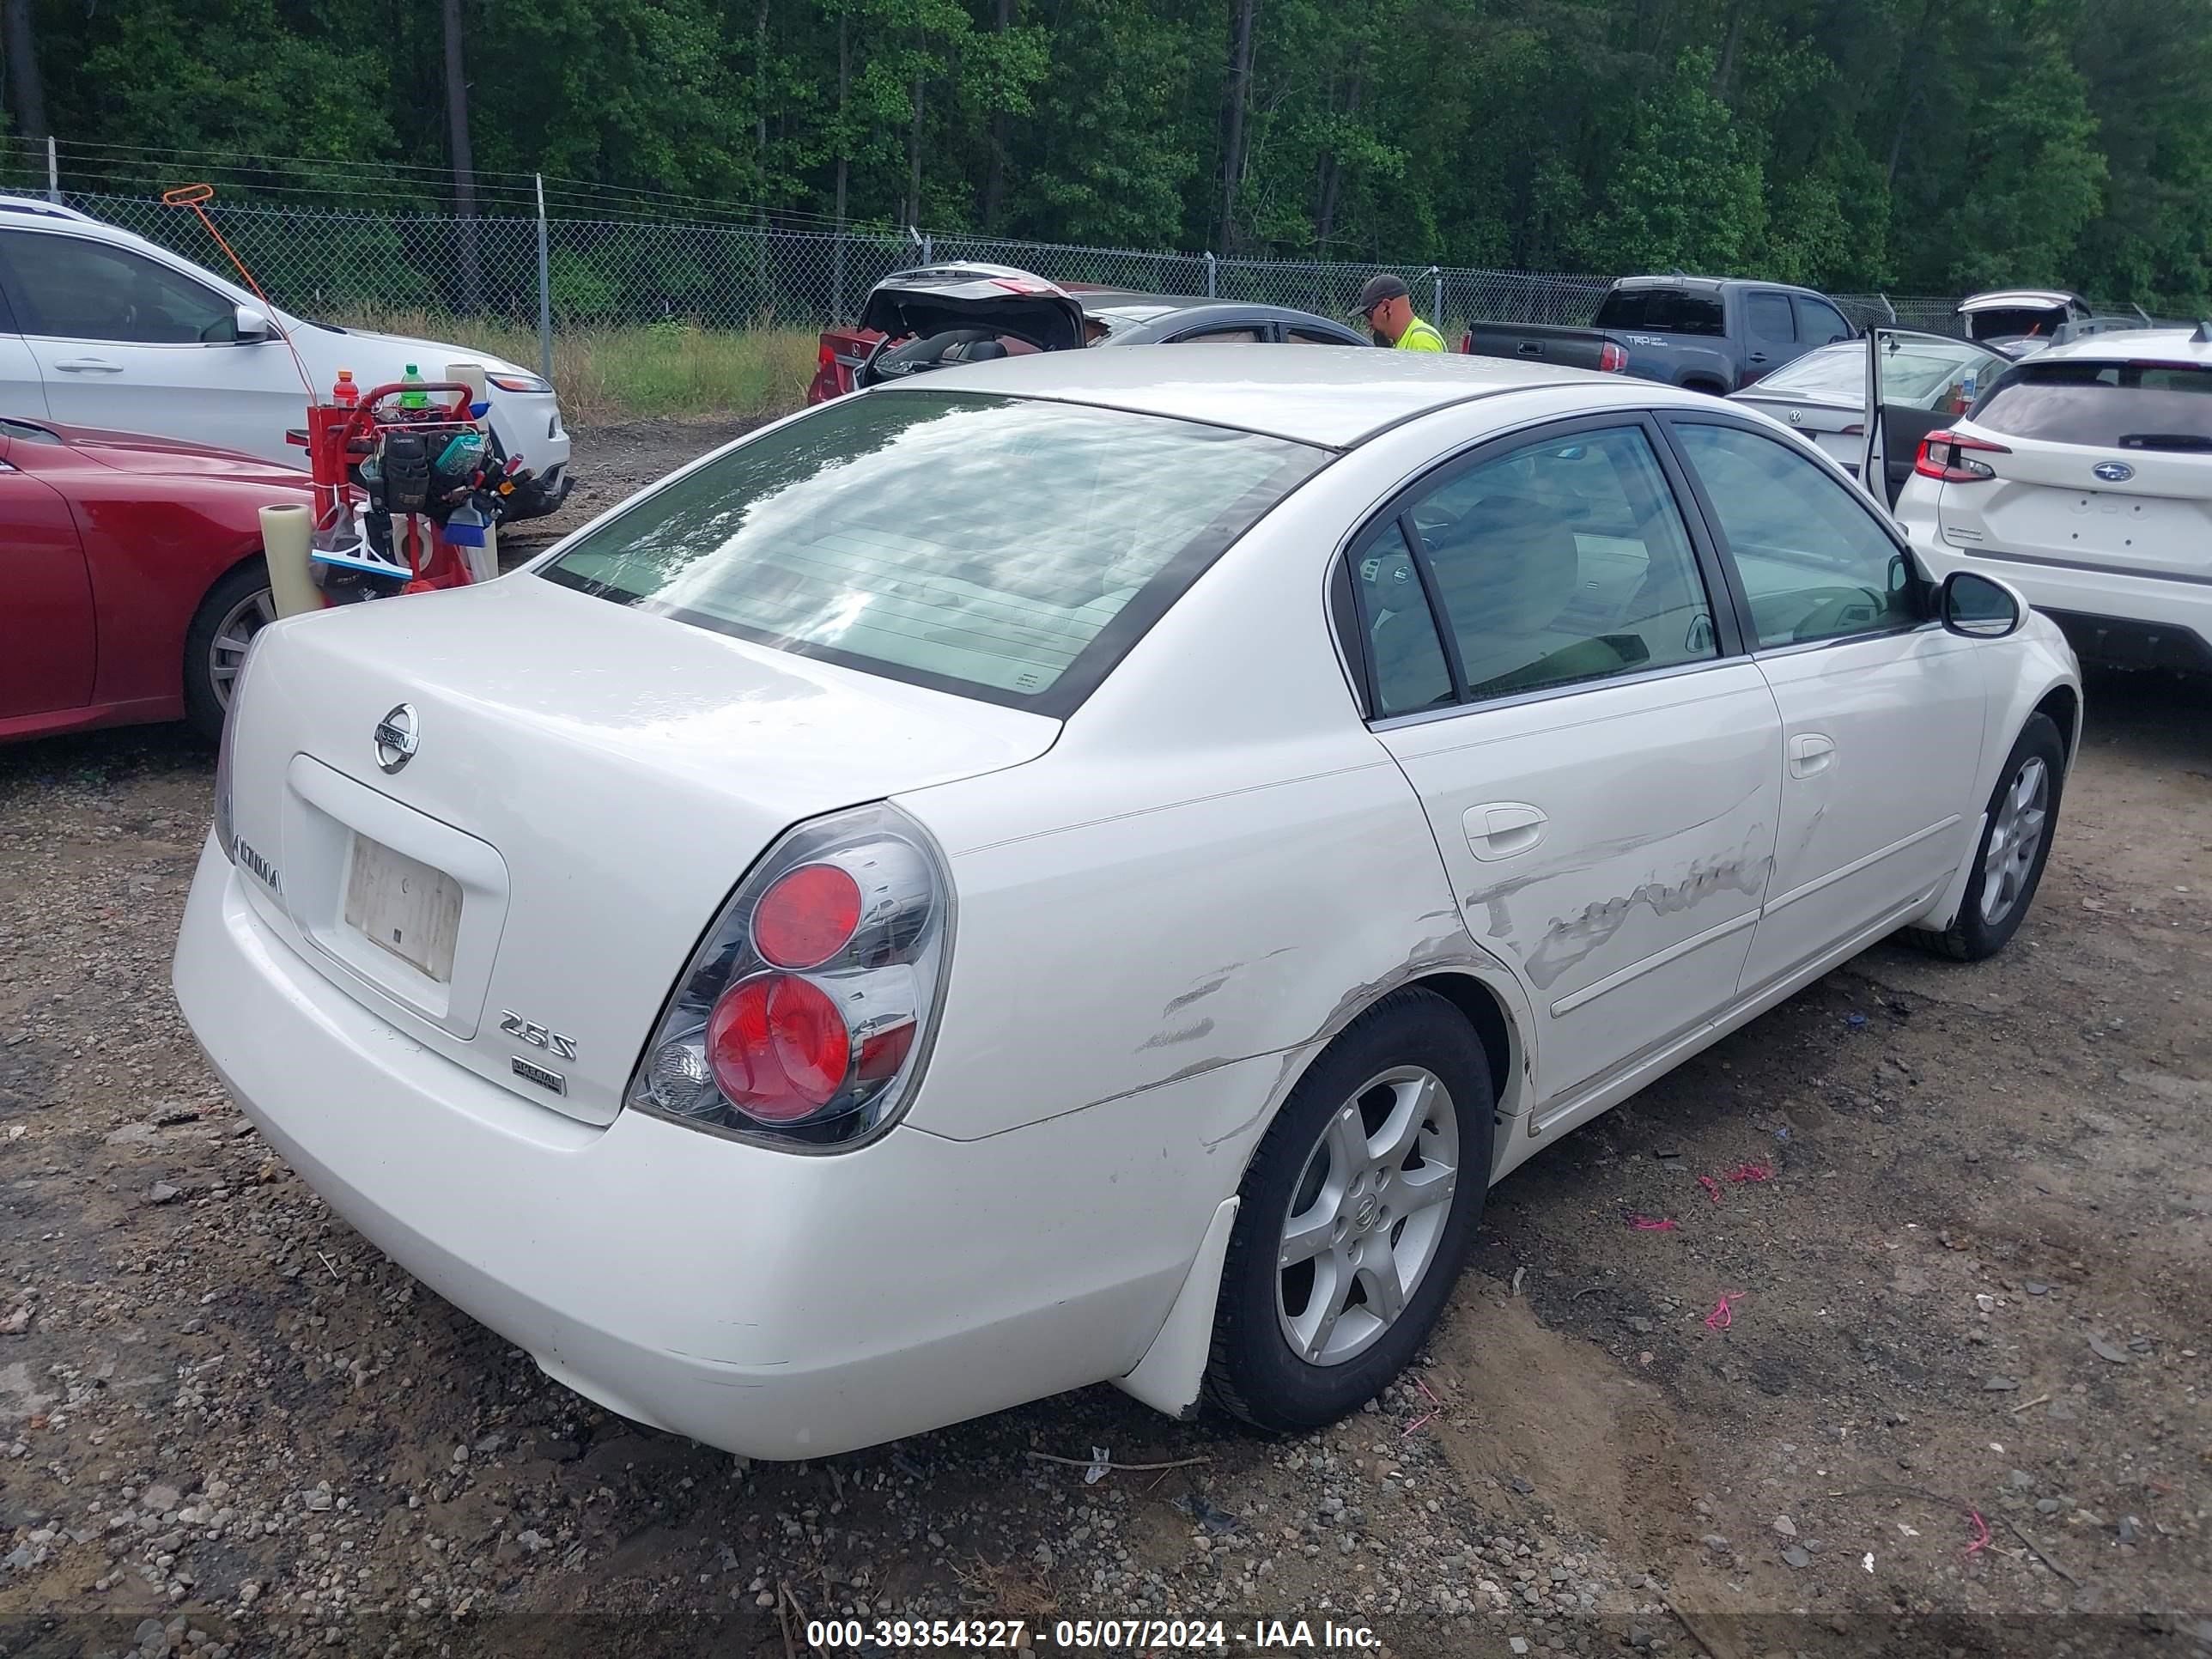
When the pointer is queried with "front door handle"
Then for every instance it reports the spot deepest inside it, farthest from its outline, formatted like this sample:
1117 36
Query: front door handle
1810 752
1501 828
89 365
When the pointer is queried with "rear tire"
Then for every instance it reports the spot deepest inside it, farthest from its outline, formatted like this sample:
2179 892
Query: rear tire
239 606
2023 812
1372 1177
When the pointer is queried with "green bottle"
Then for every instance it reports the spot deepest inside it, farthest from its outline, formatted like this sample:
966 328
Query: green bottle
416 398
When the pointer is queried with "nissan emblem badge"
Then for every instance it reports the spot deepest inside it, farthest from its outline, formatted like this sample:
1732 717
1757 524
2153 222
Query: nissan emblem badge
396 738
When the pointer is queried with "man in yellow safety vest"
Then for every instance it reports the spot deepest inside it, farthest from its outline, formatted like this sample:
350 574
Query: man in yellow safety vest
1388 305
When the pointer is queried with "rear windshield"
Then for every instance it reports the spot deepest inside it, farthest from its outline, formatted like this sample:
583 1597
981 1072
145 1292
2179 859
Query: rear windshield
1661 311
2103 405
1829 372
1004 549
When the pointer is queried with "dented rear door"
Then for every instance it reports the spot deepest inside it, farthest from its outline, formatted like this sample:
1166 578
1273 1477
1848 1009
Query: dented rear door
1603 777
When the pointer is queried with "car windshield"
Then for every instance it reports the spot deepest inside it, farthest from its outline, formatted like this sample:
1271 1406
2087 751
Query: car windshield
1127 317
1001 548
2105 405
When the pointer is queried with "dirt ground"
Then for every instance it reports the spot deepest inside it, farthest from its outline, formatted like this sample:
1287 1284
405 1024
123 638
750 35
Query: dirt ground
1922 1367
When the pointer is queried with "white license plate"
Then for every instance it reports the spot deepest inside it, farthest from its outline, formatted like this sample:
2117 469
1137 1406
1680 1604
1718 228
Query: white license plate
403 906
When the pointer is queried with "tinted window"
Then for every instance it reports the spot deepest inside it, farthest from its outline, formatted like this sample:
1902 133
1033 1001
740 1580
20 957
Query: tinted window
1219 336
73 289
1563 560
1815 564
1661 311
1410 673
1819 322
1007 550
1768 316
2104 405
1315 337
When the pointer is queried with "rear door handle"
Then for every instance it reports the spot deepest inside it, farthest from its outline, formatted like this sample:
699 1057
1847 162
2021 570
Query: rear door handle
1501 828
1810 752
89 365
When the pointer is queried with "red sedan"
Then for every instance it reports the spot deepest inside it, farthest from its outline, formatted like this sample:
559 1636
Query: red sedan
130 576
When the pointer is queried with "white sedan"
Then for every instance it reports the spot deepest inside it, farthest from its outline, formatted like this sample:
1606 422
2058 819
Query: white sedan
1085 868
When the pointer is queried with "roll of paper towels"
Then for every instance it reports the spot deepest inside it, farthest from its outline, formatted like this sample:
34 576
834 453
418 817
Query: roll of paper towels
286 531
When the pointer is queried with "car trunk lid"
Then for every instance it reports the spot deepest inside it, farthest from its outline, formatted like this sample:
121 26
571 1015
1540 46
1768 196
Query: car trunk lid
583 785
2131 509
926 302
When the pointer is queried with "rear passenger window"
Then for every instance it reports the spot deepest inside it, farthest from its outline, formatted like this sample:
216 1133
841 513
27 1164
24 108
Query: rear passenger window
1410 672
1815 564
1219 336
1562 561
1769 316
1313 336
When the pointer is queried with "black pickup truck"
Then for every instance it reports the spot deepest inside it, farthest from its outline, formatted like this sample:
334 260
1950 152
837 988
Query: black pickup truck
1708 333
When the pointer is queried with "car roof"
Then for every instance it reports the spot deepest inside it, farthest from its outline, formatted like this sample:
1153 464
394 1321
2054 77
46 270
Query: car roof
39 207
1331 396
2007 298
1683 279
2132 345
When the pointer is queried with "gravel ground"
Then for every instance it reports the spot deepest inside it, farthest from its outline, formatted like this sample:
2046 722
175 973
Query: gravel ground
1958 1404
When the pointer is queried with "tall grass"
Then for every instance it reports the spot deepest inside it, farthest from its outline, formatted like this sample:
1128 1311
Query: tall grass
667 370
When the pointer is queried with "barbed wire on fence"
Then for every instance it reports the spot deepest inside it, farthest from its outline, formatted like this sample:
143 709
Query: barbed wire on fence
325 241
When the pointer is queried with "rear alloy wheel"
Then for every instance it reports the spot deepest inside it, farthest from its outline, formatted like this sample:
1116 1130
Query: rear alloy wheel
1358 1210
236 609
2015 845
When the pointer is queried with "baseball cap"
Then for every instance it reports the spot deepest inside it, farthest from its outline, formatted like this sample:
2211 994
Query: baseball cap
1380 287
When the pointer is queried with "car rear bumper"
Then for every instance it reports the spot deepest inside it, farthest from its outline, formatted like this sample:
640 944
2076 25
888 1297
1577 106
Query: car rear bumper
2121 618
773 1305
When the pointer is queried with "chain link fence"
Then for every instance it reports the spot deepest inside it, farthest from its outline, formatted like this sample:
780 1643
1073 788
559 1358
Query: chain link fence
728 274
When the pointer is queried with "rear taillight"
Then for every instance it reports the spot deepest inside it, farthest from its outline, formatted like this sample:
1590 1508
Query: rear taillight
826 356
804 1017
1611 359
1947 456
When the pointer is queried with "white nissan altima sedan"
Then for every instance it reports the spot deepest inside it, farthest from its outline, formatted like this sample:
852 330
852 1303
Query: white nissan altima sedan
1085 868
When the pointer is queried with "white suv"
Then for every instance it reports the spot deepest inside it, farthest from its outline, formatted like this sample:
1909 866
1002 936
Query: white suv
102 328
2084 477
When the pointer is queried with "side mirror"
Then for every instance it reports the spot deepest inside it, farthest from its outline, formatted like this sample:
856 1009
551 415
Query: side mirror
1980 607
253 325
